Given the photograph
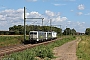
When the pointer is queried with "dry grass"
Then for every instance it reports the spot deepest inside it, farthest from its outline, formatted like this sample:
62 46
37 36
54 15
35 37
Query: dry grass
83 50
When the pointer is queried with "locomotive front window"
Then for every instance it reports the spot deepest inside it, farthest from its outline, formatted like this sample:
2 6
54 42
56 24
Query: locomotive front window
33 33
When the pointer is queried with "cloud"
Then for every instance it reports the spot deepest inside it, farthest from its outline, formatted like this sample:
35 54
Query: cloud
78 26
87 14
68 22
49 13
81 7
63 18
55 16
59 4
72 10
81 27
56 4
33 14
79 13
12 17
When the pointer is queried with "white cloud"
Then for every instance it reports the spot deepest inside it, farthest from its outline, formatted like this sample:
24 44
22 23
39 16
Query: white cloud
11 14
79 13
33 14
59 19
56 4
11 17
81 24
78 26
68 22
49 13
55 16
72 10
59 4
87 14
64 18
81 7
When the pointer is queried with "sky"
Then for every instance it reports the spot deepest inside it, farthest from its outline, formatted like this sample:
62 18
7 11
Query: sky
67 13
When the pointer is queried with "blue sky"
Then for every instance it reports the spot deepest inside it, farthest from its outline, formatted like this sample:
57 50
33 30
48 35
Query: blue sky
71 13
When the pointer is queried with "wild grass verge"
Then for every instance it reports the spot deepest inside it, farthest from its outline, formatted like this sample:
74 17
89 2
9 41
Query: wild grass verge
83 49
10 40
44 52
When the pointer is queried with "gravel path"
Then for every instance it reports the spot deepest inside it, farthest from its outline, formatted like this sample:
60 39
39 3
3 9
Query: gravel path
66 51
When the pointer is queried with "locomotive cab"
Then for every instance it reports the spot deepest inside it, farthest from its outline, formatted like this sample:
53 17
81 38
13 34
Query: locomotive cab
33 35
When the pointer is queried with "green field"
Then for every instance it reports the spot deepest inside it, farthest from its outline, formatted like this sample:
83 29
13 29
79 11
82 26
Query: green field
11 40
83 50
39 52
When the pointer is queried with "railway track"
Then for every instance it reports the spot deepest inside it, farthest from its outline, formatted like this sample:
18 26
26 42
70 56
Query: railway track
17 48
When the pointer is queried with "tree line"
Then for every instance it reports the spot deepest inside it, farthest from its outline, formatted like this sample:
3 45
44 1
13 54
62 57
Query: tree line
19 30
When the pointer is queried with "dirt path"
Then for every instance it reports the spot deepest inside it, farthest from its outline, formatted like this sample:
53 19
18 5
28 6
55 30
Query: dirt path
66 51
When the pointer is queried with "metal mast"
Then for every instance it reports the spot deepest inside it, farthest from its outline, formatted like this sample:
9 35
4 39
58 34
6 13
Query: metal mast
24 25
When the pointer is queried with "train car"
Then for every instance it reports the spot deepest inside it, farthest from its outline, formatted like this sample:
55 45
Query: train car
49 35
54 35
37 36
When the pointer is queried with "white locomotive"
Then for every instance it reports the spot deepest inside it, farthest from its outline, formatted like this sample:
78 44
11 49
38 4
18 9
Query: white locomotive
41 36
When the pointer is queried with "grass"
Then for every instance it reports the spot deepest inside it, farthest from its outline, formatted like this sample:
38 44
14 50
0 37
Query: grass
10 40
83 50
40 52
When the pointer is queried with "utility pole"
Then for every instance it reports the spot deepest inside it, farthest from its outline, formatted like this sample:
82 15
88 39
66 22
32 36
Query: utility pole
24 26
25 23
66 30
61 30
50 25
42 22
71 32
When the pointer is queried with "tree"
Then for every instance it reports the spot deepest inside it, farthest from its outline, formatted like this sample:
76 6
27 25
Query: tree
87 31
73 31
17 29
67 31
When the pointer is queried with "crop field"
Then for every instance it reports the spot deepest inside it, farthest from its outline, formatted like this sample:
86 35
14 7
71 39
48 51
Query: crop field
83 50
10 40
44 52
